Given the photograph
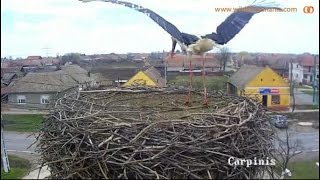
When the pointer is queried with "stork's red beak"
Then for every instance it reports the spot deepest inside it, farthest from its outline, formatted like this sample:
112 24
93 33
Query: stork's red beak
174 43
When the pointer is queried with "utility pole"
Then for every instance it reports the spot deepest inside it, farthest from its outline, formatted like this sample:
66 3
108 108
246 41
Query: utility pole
165 67
314 80
292 86
4 155
47 52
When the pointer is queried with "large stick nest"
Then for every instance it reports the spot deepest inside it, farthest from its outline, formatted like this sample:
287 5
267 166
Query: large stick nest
151 134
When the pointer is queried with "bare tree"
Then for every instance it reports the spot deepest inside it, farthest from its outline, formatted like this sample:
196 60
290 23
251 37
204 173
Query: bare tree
224 56
286 150
242 56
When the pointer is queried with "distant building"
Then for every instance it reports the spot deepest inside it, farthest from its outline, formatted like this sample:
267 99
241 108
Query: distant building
7 78
34 57
149 77
307 62
262 84
297 73
100 80
119 82
39 90
180 60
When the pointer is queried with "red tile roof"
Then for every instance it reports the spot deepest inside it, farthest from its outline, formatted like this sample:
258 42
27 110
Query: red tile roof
34 57
32 62
308 60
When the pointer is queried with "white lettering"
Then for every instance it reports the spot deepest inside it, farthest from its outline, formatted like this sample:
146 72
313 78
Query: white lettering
273 162
249 162
261 162
242 161
255 161
232 161
229 160
267 164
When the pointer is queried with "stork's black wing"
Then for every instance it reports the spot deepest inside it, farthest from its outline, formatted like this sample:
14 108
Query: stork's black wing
167 26
234 23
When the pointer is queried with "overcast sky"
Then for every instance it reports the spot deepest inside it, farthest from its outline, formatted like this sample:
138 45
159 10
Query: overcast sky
29 26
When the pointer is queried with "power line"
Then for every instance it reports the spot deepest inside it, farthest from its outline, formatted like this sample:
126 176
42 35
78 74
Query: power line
47 52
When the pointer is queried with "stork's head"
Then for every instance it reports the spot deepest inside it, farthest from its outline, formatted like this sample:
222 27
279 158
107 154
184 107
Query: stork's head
174 43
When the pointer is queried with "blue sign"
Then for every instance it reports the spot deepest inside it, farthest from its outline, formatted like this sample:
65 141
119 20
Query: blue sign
264 90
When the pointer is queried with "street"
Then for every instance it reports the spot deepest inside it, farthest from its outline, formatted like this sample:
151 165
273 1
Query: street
16 141
307 137
302 98
307 141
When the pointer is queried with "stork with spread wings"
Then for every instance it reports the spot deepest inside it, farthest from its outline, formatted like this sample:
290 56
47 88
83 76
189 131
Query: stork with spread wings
194 45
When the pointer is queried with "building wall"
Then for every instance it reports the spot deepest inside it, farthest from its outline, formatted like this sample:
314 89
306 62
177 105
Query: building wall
270 79
284 93
140 79
297 72
33 100
308 73
267 79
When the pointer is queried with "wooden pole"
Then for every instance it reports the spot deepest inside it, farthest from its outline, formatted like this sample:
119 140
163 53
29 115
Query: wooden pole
314 80
4 155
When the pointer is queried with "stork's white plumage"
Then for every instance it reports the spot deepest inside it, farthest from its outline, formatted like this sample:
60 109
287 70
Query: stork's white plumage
193 45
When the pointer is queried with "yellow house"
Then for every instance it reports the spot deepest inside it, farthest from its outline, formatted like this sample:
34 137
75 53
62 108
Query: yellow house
262 84
147 78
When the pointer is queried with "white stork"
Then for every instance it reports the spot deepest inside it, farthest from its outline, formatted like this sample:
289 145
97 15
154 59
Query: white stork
194 45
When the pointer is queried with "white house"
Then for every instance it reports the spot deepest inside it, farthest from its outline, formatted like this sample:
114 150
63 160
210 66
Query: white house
297 72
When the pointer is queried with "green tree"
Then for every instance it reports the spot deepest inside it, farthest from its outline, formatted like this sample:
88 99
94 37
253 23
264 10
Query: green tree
71 57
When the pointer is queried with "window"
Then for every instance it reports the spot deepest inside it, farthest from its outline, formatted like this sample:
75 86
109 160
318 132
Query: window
21 99
44 99
275 99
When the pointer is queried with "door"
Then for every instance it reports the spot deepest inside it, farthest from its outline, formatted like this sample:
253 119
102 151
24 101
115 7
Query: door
265 100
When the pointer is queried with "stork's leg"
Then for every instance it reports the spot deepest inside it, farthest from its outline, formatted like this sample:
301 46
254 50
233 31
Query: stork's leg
189 98
205 97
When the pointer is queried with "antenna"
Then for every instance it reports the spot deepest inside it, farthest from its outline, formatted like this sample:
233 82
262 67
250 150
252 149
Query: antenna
47 52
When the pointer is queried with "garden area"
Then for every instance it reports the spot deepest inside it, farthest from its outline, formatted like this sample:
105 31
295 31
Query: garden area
19 168
22 122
